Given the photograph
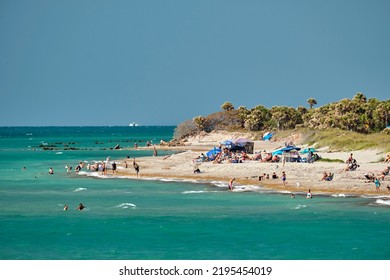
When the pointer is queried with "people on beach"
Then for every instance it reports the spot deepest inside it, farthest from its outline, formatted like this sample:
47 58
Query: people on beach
80 207
377 183
350 159
104 168
283 158
79 167
284 178
230 185
309 196
327 176
196 169
154 151
113 167
136 167
384 173
274 176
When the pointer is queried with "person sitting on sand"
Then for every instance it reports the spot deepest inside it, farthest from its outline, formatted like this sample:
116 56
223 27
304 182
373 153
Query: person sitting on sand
245 156
370 177
327 177
384 173
274 176
267 158
350 159
324 177
387 159
257 156
196 169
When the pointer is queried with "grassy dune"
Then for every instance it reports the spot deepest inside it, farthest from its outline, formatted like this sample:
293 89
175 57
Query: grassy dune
340 140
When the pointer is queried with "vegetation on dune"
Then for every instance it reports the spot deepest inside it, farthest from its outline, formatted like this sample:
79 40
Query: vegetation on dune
356 123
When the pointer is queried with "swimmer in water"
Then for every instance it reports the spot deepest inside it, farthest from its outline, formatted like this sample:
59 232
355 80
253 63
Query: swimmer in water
80 207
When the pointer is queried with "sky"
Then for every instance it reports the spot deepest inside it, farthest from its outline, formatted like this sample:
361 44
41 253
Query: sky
154 62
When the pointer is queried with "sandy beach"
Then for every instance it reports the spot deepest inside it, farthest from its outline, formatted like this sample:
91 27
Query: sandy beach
300 176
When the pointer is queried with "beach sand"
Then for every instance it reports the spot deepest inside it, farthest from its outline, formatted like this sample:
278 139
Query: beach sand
300 176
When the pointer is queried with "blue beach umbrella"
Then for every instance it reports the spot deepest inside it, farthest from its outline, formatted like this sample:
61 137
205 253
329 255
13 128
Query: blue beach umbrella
306 150
285 149
213 152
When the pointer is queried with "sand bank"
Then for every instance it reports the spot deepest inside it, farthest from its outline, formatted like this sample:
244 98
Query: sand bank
300 176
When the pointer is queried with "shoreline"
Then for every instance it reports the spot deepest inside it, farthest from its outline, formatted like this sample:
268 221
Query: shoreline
300 176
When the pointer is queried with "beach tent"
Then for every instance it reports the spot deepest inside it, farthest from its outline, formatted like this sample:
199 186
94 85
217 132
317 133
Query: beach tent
267 136
306 150
212 153
285 149
246 143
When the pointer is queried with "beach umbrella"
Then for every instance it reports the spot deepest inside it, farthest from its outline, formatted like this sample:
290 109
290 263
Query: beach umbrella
306 150
267 136
213 152
285 149
227 142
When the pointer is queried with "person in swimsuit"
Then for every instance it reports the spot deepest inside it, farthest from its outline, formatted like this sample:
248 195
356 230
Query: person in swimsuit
136 166
230 185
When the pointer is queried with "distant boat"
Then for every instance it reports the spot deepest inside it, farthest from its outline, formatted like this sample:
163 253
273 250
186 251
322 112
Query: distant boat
133 124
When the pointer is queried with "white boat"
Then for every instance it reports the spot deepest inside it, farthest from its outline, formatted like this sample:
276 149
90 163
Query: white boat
133 124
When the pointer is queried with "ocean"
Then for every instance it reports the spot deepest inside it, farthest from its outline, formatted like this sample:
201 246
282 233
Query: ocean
130 219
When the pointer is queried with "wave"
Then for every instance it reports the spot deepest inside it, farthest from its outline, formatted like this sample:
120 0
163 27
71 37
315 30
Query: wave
300 206
383 202
339 195
126 205
191 192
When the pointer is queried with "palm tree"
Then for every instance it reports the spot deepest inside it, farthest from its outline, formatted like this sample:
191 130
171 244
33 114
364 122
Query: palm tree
312 102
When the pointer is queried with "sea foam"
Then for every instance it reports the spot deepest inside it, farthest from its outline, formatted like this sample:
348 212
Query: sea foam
383 202
126 205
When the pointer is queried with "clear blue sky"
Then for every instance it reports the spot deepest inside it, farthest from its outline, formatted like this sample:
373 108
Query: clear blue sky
91 62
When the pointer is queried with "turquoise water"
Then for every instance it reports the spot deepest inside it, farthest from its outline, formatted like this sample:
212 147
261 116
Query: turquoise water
141 219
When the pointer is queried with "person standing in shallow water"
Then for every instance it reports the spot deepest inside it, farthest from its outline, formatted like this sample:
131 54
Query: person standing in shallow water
230 185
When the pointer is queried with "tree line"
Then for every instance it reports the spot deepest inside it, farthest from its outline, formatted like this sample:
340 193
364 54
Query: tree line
358 114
